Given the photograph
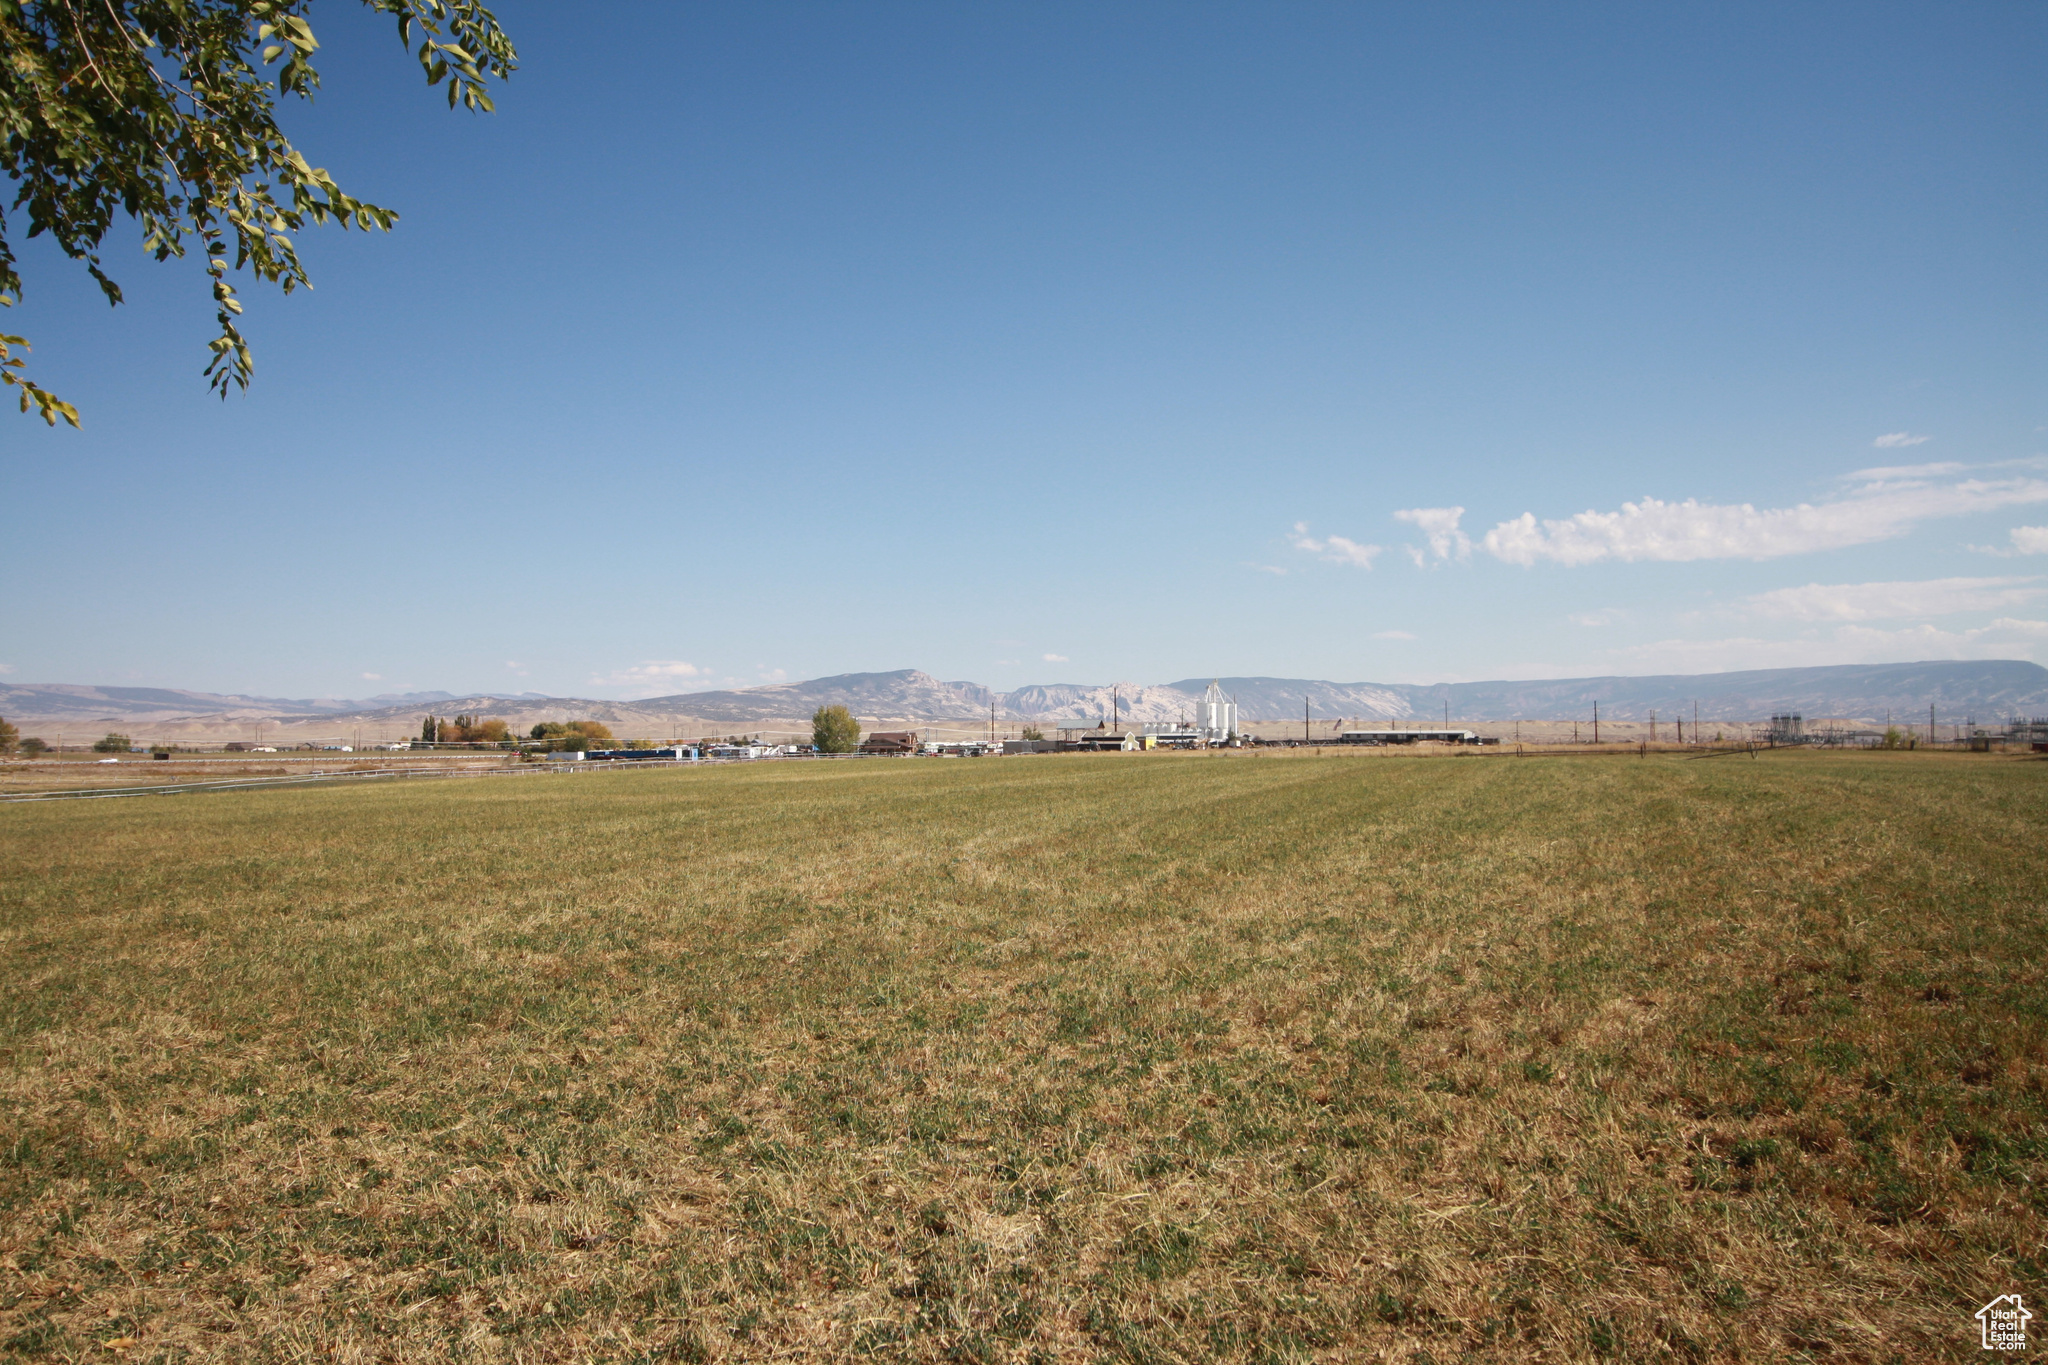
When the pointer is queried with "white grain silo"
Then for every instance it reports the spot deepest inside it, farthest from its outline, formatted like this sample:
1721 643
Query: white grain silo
1216 715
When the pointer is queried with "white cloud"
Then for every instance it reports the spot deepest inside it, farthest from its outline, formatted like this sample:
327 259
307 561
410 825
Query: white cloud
1606 616
1268 568
2030 540
6 668
1878 473
654 678
1057 659
1893 601
373 677
1336 549
1690 530
2002 632
1392 635
1898 440
1440 526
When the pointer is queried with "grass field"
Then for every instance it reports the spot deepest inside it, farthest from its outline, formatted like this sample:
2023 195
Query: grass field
1148 1058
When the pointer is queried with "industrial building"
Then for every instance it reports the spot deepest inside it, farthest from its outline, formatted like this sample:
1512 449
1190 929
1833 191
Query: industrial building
1214 722
1099 740
1392 736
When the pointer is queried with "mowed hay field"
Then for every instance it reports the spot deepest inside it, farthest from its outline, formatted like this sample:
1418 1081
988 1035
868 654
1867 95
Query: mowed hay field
1125 1057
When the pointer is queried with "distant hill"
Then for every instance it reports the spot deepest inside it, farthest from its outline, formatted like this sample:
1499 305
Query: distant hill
906 693
909 694
56 702
1984 690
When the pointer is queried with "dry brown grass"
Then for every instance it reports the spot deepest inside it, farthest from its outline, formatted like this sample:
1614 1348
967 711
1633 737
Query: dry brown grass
1150 1058
26 777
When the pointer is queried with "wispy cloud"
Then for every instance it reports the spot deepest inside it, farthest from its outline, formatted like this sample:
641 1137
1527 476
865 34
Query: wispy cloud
1268 568
517 668
1439 525
1392 635
1893 601
1899 440
1879 473
6 668
2030 540
1336 549
653 678
1879 509
372 677
1056 659
1941 467
1605 616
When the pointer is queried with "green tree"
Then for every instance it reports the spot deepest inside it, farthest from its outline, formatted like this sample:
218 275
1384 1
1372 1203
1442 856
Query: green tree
569 736
113 744
834 730
430 730
10 737
1032 732
34 747
164 110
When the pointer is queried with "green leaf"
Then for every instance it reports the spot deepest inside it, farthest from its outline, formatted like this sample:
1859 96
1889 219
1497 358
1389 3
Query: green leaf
176 128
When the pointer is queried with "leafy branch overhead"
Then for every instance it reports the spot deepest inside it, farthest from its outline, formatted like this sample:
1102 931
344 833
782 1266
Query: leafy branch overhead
164 110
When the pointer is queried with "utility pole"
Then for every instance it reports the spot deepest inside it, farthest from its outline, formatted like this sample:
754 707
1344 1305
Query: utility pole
1695 720
1304 718
1447 713
1596 722
1930 722
1653 726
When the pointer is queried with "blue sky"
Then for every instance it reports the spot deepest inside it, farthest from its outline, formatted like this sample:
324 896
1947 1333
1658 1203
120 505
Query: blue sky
1088 342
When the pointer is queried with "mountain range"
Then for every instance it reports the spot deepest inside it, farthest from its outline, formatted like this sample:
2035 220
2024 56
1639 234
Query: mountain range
1983 690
